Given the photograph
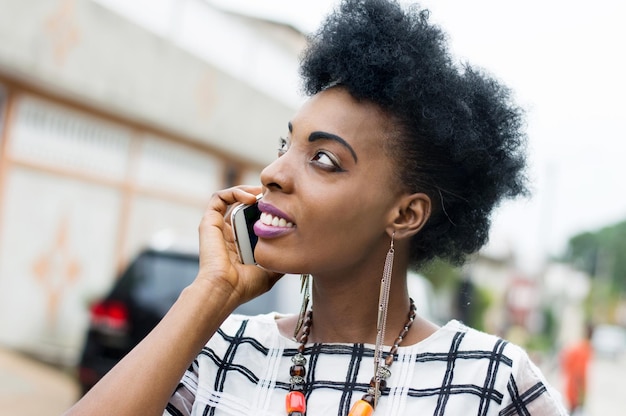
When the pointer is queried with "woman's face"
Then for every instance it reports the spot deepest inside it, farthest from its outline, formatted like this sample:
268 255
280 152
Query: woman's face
333 186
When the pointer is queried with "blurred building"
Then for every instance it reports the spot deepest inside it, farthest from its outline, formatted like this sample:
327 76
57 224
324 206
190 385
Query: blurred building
515 298
521 305
112 130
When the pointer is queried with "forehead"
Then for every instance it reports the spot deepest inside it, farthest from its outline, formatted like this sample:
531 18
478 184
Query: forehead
336 111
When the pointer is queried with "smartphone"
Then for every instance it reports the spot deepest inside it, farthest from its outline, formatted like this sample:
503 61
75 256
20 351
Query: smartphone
242 220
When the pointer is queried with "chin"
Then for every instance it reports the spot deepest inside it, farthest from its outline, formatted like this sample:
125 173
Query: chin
276 263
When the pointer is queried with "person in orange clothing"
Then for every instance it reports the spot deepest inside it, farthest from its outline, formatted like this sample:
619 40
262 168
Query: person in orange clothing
575 361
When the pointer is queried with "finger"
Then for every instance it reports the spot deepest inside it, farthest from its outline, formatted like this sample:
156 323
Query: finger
221 200
219 204
229 235
213 227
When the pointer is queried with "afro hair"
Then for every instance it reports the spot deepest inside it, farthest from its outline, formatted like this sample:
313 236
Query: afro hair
461 138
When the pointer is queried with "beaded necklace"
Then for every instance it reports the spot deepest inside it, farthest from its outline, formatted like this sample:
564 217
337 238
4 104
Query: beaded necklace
295 401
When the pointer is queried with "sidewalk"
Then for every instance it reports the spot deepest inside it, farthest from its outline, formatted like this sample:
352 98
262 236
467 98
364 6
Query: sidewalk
605 395
31 388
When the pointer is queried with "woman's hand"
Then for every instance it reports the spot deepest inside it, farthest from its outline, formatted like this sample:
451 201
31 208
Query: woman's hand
220 266
144 380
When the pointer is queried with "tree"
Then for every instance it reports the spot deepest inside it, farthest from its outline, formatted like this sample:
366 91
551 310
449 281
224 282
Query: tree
602 254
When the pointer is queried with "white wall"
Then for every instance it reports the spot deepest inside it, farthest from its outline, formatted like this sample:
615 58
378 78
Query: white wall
85 51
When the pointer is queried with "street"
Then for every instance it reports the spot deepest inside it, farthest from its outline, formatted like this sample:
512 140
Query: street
607 396
606 392
31 388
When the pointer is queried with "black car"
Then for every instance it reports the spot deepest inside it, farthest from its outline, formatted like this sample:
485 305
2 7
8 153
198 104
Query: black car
136 303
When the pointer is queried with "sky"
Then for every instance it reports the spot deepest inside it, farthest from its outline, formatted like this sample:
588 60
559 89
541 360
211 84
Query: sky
564 61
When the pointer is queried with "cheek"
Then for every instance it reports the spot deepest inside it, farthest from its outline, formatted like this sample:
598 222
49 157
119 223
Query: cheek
354 221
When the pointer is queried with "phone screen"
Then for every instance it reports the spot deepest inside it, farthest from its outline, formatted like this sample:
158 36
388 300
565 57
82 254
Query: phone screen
252 214
243 218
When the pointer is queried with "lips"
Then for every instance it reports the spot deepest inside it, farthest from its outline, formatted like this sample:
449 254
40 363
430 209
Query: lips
273 223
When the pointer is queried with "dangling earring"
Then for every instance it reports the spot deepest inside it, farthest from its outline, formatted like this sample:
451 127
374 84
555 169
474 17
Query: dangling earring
305 291
382 373
378 383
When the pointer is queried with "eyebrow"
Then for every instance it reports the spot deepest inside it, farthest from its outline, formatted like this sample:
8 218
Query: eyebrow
321 135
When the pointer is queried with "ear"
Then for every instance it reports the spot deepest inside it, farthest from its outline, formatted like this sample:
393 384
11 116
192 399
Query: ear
410 215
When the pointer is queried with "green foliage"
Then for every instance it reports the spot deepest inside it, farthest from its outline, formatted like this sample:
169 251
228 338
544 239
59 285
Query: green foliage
543 341
479 303
470 301
442 275
602 254
602 304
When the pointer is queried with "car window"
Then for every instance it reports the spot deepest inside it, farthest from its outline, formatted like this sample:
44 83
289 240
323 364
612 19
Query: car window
161 278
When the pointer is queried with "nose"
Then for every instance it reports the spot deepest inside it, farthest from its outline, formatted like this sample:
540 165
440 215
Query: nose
278 175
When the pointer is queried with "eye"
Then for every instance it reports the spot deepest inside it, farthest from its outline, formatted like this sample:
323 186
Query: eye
326 161
283 146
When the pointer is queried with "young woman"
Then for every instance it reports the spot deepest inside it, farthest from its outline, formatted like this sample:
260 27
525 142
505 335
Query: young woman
398 157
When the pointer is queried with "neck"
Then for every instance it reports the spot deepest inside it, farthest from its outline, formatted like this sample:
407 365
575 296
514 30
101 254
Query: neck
346 308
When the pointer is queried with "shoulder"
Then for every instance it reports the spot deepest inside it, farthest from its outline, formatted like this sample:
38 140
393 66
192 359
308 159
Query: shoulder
241 342
482 370
462 338
242 351
470 352
476 344
237 322
258 331
526 386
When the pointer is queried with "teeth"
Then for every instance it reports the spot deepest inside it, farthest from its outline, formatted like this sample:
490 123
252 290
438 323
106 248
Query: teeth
269 219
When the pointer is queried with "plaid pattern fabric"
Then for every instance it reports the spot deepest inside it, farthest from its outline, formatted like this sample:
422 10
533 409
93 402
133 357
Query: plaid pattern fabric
244 370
